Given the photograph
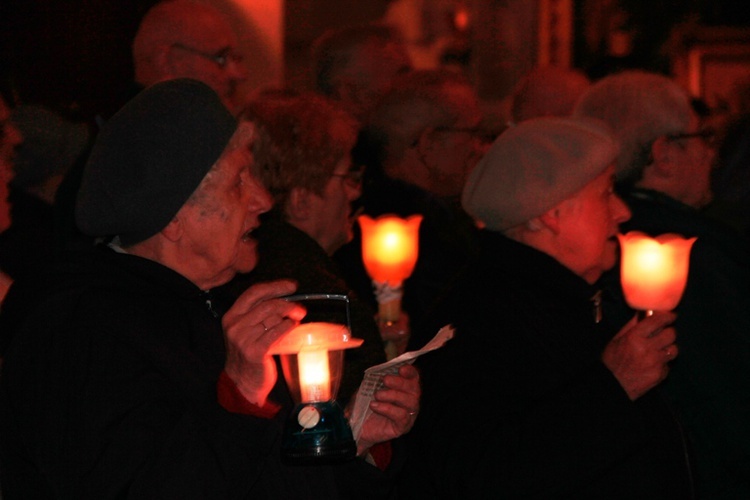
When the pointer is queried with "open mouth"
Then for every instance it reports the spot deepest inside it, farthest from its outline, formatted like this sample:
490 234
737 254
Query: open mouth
248 235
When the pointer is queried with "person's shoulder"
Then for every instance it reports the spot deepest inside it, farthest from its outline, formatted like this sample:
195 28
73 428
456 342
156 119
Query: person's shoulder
655 214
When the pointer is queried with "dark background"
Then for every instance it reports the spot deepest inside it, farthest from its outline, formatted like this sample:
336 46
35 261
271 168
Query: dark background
76 53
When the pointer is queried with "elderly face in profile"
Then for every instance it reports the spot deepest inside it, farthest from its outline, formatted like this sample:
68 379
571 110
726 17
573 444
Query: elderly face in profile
216 222
304 160
10 138
549 184
587 225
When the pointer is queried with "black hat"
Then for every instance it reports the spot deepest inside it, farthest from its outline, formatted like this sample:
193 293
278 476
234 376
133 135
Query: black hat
150 157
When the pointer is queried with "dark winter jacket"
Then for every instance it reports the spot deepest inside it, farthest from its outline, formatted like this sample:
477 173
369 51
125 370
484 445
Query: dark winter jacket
519 403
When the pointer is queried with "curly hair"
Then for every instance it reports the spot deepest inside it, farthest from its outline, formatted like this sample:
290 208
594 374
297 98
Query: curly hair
302 138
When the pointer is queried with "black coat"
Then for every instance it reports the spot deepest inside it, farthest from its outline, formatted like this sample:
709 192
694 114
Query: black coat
519 404
108 390
29 241
709 382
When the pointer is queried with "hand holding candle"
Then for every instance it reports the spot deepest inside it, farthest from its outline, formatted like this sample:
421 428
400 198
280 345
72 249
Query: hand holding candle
390 246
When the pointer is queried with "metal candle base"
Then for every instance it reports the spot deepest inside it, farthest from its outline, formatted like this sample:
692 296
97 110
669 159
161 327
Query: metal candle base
317 433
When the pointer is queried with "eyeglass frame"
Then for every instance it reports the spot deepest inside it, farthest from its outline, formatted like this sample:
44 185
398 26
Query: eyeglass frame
220 58
707 135
353 177
476 132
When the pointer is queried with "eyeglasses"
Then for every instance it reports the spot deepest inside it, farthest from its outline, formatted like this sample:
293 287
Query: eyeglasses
353 177
221 58
708 136
476 132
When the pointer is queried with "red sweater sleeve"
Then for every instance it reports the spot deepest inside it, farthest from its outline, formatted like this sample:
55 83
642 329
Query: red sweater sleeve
381 453
232 400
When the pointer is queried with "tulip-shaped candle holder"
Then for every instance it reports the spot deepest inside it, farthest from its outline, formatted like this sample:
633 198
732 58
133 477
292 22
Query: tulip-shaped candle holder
654 271
312 360
390 246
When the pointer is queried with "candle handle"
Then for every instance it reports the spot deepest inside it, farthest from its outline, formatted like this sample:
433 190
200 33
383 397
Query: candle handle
644 314
389 301
389 311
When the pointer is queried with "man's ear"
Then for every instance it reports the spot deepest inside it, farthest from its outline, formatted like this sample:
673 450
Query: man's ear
298 203
165 59
347 90
549 219
663 154
426 146
174 230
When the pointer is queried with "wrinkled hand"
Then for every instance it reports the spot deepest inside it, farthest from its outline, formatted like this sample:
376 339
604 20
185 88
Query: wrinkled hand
639 354
254 322
394 409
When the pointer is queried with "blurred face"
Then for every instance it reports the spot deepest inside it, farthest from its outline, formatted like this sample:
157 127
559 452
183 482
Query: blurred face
209 54
588 227
221 215
459 147
695 157
331 217
375 68
10 138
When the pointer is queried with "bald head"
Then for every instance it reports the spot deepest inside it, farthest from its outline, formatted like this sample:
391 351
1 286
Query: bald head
187 39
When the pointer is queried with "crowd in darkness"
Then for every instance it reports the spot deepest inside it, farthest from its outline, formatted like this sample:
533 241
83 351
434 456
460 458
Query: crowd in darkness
155 228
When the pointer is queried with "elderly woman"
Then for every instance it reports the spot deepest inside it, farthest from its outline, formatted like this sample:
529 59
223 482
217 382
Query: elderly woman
303 159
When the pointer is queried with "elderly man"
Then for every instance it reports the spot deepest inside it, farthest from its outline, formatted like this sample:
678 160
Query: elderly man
175 39
532 399
355 65
183 38
419 146
664 174
121 379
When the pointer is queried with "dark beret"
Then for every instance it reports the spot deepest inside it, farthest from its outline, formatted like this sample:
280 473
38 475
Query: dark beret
150 157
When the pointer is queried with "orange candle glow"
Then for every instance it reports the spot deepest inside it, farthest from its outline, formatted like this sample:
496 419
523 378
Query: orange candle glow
654 271
389 247
312 359
314 375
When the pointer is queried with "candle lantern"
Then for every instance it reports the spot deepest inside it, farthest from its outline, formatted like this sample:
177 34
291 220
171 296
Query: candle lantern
312 361
654 271
390 246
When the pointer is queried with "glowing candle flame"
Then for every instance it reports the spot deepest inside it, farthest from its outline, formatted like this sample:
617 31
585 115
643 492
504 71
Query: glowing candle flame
314 375
654 270
390 246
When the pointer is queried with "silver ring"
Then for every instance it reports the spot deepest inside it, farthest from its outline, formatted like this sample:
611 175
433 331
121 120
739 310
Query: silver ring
412 413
